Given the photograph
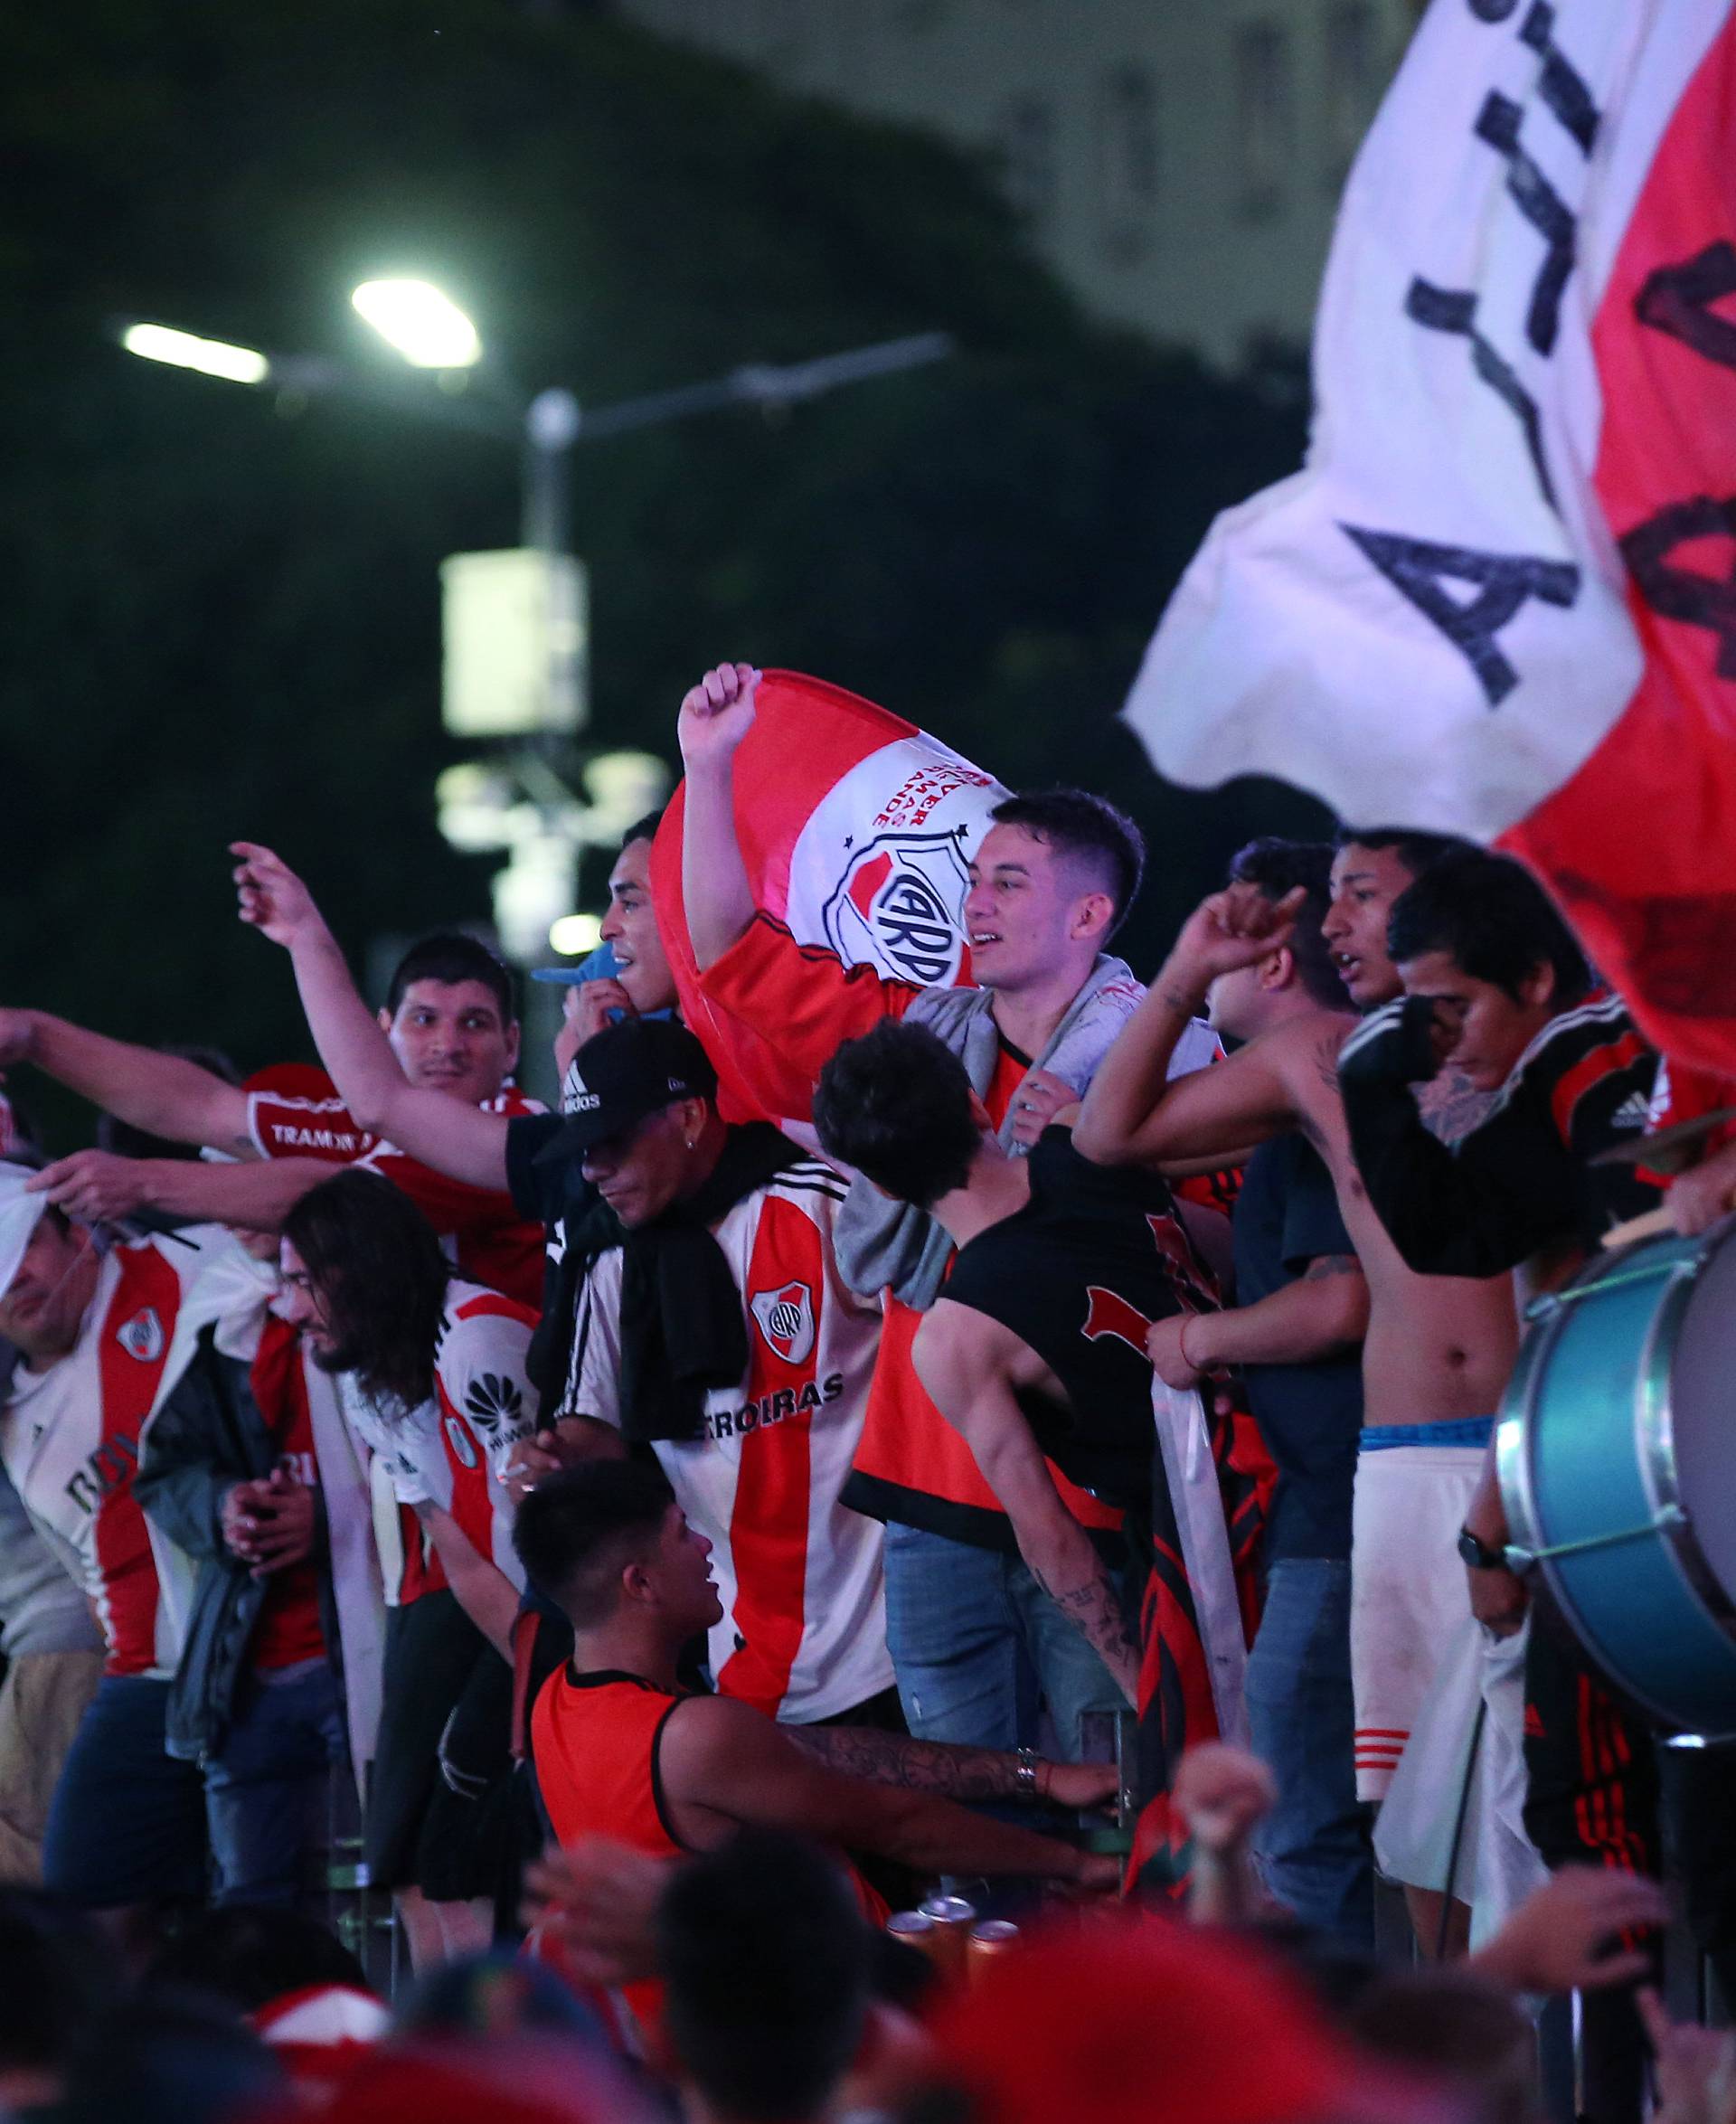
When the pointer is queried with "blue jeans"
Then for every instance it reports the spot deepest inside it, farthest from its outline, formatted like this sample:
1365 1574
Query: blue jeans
265 1789
978 1646
126 1824
1314 1846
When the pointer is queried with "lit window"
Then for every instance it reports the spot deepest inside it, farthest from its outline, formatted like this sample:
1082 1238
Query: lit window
1126 161
1265 115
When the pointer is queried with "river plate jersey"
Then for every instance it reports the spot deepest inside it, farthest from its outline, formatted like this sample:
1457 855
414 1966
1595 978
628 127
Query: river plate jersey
452 1450
70 1436
804 1629
295 1112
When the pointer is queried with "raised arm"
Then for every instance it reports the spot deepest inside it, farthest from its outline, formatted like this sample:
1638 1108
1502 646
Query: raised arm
1135 1113
722 1764
98 1187
956 1359
449 1134
715 716
162 1094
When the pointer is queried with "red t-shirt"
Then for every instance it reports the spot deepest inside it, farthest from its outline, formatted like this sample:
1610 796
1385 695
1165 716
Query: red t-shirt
288 1630
294 1112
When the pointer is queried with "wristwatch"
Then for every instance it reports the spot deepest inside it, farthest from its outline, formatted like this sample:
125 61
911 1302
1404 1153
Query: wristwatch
1477 1553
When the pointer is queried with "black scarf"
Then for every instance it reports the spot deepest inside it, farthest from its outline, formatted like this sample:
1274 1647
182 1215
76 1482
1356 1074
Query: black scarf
683 1329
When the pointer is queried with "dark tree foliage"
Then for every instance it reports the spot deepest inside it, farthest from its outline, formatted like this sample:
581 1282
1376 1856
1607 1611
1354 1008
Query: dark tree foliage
221 607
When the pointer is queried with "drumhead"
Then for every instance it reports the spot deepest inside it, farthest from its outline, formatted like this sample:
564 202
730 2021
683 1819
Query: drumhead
1703 1411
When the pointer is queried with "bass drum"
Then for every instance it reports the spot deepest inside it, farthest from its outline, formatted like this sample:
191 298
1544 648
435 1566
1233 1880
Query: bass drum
1617 1456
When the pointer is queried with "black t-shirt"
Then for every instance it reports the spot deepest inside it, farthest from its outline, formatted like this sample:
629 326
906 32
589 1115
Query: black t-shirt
1077 1274
558 1196
1524 1179
1309 1415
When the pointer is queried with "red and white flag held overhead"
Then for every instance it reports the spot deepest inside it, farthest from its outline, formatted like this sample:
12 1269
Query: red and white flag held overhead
1500 599
858 830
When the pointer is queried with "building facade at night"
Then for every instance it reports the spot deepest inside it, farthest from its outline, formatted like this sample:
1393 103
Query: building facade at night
1178 161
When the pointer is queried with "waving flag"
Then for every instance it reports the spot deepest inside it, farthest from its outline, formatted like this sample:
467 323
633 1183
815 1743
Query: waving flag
1500 600
858 830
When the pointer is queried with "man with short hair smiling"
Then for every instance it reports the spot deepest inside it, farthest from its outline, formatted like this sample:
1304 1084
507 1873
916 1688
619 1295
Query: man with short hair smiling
448 1034
974 1637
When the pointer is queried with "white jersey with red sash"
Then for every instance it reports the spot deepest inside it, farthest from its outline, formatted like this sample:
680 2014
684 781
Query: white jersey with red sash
452 1450
70 1435
804 1629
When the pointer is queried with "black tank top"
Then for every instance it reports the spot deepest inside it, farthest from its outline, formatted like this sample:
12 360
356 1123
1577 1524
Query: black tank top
1077 1274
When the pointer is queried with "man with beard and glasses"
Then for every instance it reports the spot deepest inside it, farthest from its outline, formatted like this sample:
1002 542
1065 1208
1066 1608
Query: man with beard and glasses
433 1372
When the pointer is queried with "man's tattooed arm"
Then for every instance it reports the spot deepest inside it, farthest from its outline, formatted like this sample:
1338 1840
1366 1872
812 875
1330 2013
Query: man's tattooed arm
1095 1610
919 1766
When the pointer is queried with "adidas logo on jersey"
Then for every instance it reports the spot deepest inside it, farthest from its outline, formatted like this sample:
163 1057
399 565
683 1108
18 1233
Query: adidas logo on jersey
1634 1112
142 1335
786 1318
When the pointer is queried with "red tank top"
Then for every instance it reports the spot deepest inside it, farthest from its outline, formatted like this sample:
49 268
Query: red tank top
594 1740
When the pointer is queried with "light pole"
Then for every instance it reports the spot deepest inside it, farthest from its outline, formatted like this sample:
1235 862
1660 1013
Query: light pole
520 617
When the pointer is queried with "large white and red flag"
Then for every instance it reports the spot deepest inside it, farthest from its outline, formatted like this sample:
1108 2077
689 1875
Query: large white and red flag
1500 599
858 831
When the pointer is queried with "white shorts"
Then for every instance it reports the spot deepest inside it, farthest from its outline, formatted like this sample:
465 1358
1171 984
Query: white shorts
1408 1596
1452 1824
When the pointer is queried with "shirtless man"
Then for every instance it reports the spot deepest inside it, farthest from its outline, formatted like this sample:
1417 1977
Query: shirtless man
1439 1349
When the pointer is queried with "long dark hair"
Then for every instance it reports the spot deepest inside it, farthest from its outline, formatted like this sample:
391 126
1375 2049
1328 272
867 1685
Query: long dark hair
373 1259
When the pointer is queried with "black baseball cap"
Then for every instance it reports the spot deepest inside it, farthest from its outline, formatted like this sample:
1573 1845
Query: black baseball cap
623 1073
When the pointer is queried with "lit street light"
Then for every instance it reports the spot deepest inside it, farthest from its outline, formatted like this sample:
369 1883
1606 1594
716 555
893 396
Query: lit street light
428 329
515 623
182 350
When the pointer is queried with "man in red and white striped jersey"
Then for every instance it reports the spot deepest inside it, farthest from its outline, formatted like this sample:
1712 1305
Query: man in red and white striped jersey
103 1338
449 1019
713 1326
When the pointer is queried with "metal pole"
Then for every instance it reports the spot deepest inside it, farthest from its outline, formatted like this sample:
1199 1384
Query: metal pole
550 429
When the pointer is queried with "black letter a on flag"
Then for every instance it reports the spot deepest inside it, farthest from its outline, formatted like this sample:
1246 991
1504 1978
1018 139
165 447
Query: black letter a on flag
1502 582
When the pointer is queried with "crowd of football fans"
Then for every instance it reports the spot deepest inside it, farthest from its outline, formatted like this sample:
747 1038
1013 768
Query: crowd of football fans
942 1596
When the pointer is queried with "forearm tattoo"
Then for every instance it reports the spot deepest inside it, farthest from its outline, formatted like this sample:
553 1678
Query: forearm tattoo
919 1766
1095 1610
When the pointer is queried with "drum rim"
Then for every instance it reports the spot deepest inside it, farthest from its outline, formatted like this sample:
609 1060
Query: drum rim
1653 1443
1655 1432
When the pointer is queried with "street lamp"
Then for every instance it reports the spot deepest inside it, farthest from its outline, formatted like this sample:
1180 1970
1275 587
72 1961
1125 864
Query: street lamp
184 350
515 623
427 328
